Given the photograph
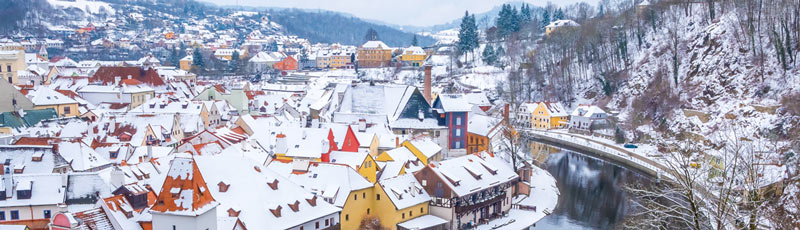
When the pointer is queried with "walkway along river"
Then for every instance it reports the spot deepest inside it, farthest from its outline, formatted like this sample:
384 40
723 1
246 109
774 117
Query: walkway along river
592 190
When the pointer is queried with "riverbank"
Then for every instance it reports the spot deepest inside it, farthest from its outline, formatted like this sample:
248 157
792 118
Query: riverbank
605 150
527 210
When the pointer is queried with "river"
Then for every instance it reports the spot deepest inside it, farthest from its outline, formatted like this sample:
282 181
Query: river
592 190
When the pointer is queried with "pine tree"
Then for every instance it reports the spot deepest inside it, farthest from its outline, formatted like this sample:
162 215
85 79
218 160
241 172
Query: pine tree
558 15
174 57
515 20
525 11
233 65
371 35
545 19
489 56
198 58
414 41
467 33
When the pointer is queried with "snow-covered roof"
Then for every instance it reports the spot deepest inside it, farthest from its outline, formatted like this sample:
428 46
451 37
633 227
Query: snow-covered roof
555 109
414 50
23 155
375 45
184 191
564 22
47 96
426 146
404 191
80 156
352 159
46 189
587 111
422 222
333 182
469 174
483 125
251 192
454 103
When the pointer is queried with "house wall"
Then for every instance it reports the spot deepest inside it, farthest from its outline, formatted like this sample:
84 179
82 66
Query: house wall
388 214
332 218
100 97
140 98
29 212
477 143
475 215
205 221
355 209
9 94
374 57
14 60
62 109
457 126
185 65
368 169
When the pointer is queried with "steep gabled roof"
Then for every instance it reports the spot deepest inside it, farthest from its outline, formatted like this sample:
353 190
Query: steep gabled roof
106 75
184 191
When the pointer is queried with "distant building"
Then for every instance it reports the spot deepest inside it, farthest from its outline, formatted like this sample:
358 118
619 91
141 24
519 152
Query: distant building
288 63
374 54
585 117
549 115
555 25
12 60
413 56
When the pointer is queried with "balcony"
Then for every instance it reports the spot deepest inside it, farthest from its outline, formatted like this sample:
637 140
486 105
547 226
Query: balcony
484 203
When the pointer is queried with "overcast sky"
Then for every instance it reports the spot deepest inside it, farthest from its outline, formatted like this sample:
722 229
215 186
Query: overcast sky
400 12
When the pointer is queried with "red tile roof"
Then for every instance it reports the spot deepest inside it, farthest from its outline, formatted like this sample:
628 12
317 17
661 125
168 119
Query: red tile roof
107 75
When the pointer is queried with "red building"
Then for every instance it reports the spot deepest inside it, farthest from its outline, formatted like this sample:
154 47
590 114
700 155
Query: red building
288 63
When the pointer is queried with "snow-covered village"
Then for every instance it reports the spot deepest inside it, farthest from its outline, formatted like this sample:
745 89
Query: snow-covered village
399 115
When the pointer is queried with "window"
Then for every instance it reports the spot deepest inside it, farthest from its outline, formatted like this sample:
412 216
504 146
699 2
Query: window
301 228
317 224
66 110
458 120
347 217
326 222
15 215
47 214
8 68
355 196
378 197
364 195
410 213
367 211
2 215
458 145
404 215
422 210
173 227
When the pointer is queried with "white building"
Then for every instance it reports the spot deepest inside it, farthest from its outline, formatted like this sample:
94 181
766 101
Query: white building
585 116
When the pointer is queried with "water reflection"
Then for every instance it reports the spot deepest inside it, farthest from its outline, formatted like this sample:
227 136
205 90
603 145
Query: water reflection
592 190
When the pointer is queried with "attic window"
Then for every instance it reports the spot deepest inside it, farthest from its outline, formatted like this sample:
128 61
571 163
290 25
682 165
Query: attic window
274 184
257 168
295 206
152 106
276 211
37 156
312 201
233 213
223 187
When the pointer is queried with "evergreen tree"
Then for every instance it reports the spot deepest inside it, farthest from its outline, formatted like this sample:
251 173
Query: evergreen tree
468 33
414 41
525 12
499 52
174 57
372 35
488 55
515 20
558 15
198 58
545 18
233 65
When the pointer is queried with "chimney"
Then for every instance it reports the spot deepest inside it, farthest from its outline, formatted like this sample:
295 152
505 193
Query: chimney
427 91
362 125
8 179
280 143
505 112
117 177
396 142
149 153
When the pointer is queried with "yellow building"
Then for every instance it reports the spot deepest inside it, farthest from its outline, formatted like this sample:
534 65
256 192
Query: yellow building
46 98
556 25
12 59
549 115
425 150
374 54
186 63
399 199
413 56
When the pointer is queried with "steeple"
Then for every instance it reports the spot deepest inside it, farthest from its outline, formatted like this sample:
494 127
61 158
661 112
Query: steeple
43 52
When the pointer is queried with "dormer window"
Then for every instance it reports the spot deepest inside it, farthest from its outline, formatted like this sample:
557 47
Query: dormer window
223 187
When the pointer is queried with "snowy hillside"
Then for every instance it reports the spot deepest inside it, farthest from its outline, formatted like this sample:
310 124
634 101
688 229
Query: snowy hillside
87 6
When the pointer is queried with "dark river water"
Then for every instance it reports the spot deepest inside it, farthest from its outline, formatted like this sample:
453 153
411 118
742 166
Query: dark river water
592 190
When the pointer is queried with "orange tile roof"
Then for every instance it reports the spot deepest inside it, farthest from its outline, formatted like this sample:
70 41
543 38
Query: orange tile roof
183 176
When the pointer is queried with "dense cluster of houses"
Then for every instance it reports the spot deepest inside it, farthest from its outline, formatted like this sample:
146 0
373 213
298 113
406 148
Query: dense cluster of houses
553 115
137 145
